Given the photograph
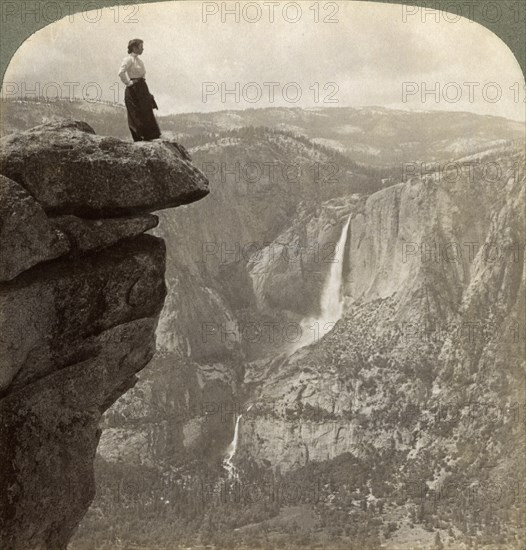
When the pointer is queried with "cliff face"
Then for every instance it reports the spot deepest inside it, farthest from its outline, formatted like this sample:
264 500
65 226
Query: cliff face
172 417
82 289
289 274
426 363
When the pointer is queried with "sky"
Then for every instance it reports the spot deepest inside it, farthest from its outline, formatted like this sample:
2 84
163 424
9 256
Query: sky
200 58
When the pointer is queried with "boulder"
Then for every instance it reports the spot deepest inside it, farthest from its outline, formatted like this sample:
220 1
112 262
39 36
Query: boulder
61 308
70 170
27 236
88 235
49 435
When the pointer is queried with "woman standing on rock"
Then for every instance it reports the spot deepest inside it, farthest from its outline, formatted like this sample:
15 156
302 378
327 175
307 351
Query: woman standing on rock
139 102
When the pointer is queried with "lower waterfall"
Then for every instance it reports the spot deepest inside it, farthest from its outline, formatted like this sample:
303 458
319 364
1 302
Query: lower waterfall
231 451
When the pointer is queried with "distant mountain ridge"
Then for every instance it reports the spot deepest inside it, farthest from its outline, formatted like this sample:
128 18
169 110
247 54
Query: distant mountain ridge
372 135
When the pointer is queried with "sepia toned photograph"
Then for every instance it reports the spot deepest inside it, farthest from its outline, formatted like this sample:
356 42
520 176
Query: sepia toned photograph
262 275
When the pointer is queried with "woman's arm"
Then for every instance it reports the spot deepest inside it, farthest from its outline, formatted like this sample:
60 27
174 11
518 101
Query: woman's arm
123 70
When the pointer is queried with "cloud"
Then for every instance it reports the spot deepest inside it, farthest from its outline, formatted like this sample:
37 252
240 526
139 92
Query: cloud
369 53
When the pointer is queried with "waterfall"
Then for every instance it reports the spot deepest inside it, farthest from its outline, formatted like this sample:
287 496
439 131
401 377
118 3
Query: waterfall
331 303
231 451
331 297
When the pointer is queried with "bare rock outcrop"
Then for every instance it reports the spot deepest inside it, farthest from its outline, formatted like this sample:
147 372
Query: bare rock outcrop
70 170
27 235
80 297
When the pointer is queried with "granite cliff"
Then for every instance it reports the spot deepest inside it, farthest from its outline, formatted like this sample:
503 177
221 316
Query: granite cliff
433 318
422 379
81 292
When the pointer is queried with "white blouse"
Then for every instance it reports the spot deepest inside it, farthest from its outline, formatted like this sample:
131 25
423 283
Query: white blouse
131 67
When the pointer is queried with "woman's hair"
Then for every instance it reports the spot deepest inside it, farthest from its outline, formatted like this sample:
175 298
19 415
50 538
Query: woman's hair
133 43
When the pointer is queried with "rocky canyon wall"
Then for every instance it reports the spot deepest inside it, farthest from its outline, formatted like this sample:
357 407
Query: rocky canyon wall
425 328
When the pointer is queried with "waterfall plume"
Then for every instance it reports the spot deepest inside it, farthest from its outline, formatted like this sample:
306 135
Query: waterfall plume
231 451
331 300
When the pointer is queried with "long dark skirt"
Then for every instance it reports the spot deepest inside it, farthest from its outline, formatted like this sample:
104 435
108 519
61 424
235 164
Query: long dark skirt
139 104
